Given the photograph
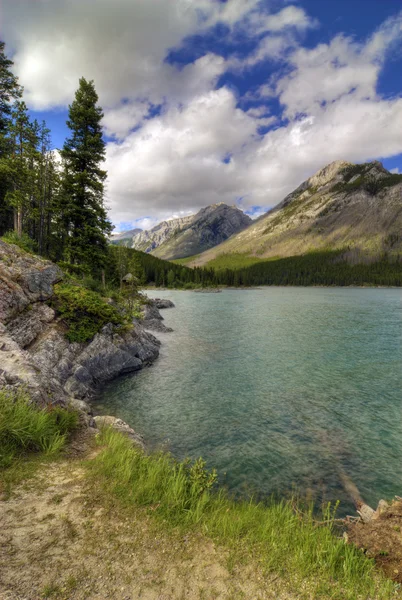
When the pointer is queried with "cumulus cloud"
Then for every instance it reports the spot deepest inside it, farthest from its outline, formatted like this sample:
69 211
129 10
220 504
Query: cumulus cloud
326 73
176 161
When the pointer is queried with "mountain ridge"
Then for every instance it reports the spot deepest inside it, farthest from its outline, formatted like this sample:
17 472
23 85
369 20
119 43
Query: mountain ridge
343 205
186 236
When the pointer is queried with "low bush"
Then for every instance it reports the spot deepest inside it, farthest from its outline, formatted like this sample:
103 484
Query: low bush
22 241
84 311
283 539
26 428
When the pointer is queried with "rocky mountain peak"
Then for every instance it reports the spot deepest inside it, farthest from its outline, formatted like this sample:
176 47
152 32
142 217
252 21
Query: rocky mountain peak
184 236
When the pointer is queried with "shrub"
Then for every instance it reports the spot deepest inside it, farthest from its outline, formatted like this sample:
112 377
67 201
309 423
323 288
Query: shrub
24 241
24 427
84 312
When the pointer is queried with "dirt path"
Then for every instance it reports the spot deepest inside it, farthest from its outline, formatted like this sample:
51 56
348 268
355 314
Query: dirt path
58 541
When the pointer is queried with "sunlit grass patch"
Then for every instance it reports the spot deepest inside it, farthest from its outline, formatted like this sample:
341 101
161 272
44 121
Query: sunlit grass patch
26 428
290 543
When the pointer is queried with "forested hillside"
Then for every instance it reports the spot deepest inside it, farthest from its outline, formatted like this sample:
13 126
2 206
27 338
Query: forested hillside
52 203
320 268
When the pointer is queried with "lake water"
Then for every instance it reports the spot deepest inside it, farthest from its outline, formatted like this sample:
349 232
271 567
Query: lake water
279 389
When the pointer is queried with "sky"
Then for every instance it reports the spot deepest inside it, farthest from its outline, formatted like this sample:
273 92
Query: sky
208 101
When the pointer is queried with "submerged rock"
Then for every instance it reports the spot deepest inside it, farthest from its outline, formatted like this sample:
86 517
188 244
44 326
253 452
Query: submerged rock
161 303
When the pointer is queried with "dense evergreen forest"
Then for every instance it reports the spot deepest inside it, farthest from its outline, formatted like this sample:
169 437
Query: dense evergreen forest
52 203
319 268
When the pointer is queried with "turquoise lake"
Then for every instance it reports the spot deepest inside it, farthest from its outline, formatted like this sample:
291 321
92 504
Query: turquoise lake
280 389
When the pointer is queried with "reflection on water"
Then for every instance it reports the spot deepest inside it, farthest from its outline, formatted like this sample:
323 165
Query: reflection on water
279 388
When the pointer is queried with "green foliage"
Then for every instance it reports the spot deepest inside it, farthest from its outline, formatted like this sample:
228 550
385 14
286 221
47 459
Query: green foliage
371 184
25 428
83 311
390 180
71 269
83 218
22 241
233 261
352 170
284 539
327 267
315 268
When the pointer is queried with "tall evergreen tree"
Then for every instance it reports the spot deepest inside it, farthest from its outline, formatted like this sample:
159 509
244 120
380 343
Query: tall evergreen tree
10 91
22 162
83 213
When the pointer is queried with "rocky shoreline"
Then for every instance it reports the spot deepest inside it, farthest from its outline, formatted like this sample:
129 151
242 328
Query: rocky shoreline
34 352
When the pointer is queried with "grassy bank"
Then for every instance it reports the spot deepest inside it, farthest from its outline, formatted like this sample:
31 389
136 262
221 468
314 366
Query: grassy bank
27 431
290 543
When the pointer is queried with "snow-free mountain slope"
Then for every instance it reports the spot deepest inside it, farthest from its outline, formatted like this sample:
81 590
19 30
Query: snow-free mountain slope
343 206
186 236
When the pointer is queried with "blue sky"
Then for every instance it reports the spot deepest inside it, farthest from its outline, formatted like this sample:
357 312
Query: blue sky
208 101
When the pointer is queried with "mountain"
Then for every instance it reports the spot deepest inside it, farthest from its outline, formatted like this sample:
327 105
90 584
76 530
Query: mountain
345 206
124 238
186 236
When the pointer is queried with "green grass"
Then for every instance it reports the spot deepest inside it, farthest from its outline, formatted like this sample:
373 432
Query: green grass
25 428
233 261
24 241
185 261
276 535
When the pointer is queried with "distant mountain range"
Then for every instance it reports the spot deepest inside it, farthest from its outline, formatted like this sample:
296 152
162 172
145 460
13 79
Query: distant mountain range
345 206
125 237
186 236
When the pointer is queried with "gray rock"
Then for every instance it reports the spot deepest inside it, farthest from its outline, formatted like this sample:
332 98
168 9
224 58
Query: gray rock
152 319
82 368
80 405
23 279
161 303
18 370
35 354
29 324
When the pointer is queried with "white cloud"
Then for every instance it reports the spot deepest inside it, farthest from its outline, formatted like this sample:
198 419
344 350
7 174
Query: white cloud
201 148
121 45
175 161
291 16
395 171
326 73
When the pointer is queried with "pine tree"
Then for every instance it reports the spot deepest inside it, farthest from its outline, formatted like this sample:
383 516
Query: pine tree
83 214
22 163
10 91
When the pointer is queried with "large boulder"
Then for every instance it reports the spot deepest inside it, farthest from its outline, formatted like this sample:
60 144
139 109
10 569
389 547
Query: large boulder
161 303
24 279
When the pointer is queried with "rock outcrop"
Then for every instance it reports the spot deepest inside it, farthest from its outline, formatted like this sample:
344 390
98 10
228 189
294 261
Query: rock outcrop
152 319
161 303
34 351
191 235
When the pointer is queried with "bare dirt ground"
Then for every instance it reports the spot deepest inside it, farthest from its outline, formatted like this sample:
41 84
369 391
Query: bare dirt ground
58 540
381 539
